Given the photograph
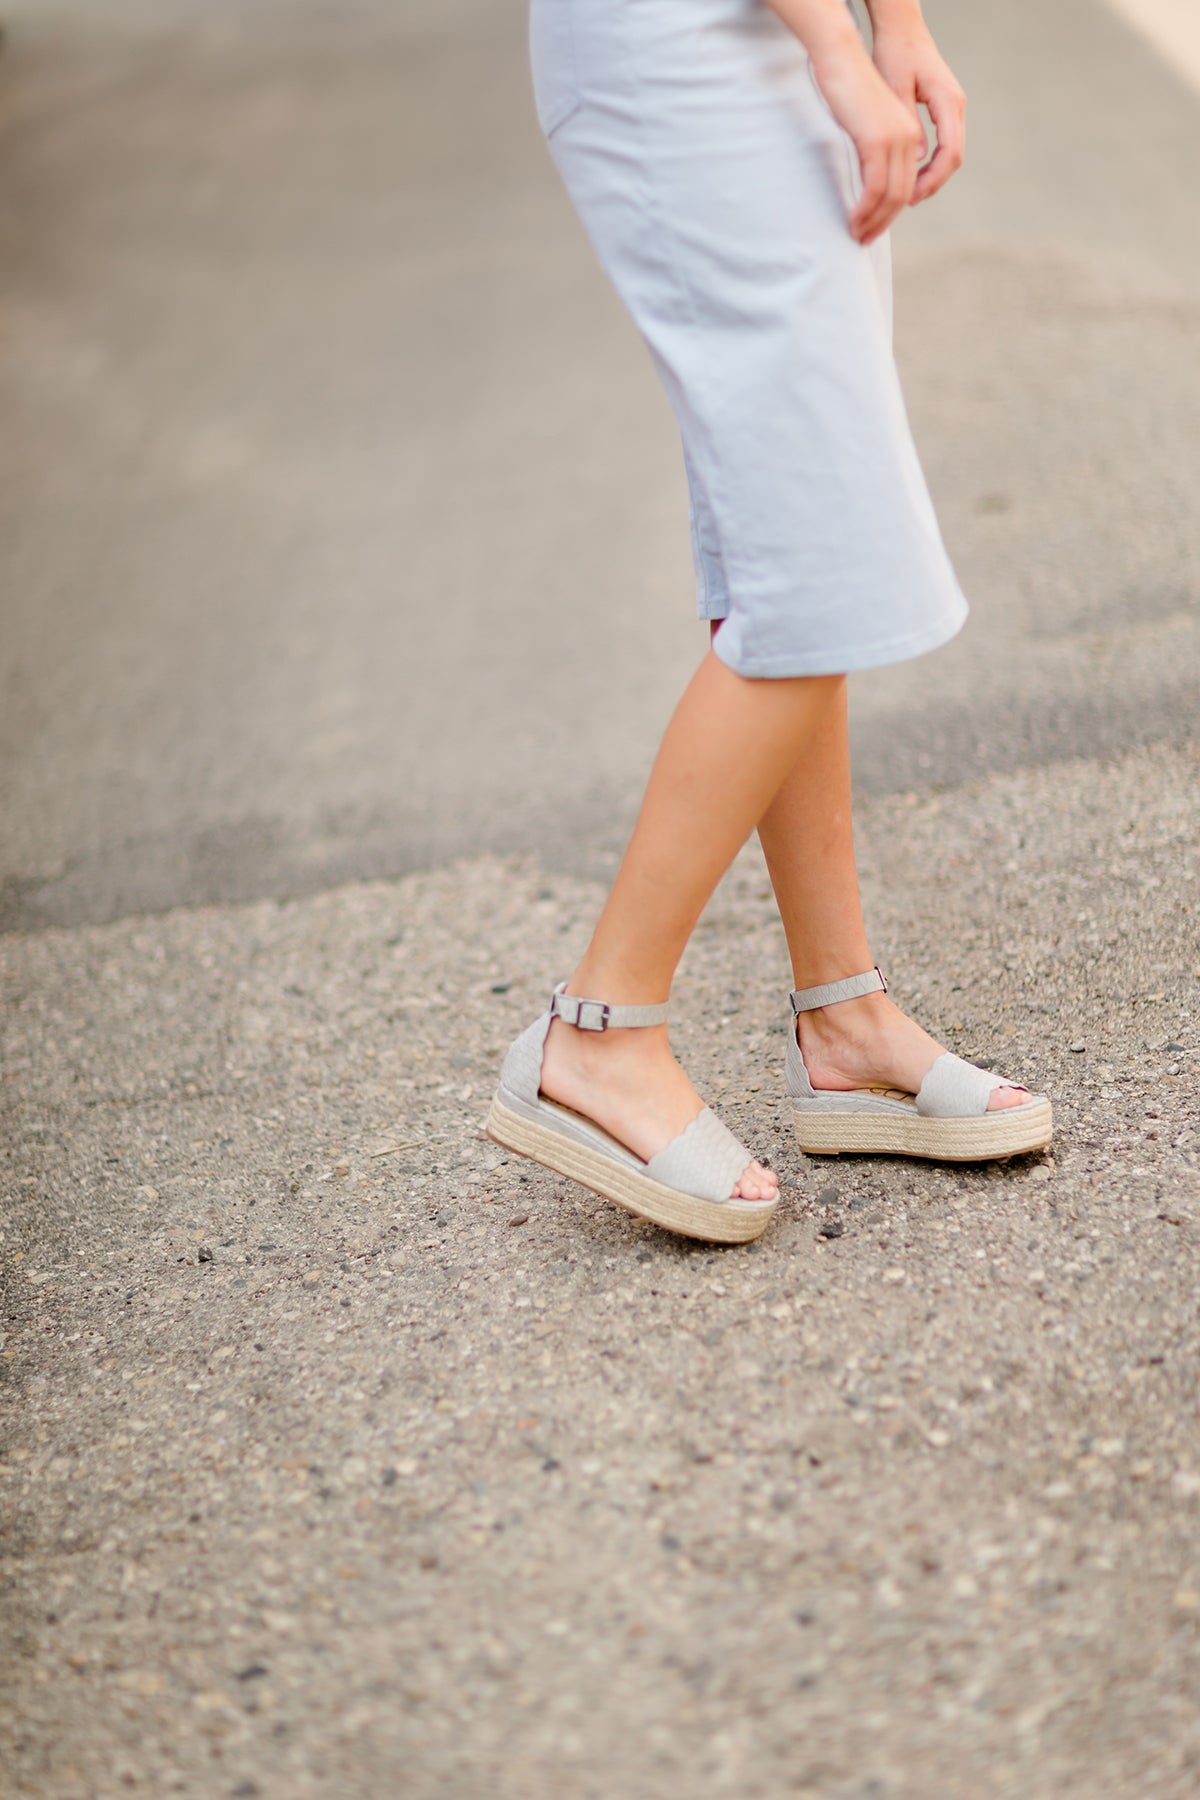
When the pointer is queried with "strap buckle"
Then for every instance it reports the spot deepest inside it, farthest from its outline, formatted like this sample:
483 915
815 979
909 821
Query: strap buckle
584 1015
598 1022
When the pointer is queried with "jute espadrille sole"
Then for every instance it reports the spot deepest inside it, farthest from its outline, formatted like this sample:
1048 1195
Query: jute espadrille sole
1013 1131
718 1222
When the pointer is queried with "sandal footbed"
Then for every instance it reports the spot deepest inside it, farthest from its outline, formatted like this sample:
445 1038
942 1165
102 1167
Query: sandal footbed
1012 1131
714 1221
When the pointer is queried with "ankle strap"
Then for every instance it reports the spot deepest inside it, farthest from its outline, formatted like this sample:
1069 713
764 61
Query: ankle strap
853 988
598 1015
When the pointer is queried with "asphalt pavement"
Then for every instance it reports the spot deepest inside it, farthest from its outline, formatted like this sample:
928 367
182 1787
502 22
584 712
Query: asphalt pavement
342 1455
341 521
346 1457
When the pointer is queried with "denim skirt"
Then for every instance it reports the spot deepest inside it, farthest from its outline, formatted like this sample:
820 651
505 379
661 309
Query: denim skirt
715 186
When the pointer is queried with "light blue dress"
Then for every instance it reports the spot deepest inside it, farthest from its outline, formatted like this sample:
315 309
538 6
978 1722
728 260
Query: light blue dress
715 185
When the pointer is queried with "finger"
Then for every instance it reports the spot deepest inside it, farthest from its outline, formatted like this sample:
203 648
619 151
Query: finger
878 218
873 160
897 192
948 110
901 174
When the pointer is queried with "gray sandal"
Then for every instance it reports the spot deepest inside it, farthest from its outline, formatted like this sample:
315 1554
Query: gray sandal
685 1187
947 1118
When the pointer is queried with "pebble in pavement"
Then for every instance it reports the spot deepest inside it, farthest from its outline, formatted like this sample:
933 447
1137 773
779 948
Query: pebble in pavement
343 1452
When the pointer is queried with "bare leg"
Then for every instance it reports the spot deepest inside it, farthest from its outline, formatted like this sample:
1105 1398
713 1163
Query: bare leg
725 752
807 838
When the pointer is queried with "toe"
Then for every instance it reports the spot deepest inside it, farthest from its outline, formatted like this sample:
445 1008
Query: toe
758 1183
1006 1096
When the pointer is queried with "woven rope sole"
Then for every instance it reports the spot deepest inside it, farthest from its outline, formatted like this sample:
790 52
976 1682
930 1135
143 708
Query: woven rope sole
717 1222
1014 1131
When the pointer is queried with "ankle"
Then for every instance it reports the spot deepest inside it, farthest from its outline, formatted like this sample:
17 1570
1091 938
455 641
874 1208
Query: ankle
829 968
845 1021
594 1050
618 988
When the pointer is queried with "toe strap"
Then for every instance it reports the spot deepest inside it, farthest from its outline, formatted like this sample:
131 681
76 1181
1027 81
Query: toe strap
954 1089
705 1160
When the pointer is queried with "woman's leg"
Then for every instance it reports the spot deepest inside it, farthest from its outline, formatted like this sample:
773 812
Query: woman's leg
807 838
725 752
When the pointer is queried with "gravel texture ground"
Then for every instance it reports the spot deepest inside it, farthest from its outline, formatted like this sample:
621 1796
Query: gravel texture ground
344 1457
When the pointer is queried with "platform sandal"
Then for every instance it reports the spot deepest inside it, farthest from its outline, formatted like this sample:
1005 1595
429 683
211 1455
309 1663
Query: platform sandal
685 1187
946 1119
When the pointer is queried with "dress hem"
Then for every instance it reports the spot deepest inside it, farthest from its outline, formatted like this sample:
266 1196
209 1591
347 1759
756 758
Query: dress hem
863 656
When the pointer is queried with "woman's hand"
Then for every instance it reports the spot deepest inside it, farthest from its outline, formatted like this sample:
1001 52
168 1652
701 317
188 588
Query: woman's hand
886 133
876 101
909 61
885 129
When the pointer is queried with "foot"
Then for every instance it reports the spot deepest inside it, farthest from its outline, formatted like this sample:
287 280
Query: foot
870 1043
630 1084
